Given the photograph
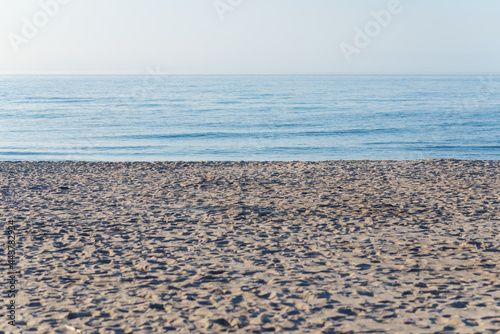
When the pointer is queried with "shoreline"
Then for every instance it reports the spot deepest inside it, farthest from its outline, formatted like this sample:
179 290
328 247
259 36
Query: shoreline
206 247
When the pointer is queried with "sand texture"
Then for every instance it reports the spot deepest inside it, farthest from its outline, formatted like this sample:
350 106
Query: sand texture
209 247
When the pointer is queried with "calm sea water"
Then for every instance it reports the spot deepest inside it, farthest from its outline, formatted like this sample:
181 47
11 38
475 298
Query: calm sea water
287 117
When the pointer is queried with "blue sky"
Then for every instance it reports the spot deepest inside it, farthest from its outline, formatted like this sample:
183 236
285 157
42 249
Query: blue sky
249 36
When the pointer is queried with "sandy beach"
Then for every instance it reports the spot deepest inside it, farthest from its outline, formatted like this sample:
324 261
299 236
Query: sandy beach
251 247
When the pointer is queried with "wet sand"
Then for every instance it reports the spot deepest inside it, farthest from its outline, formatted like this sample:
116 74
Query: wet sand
209 247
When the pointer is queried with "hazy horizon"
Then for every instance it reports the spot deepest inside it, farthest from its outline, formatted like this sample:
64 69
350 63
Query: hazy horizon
249 37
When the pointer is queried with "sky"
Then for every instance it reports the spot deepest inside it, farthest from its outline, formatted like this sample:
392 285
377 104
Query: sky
250 36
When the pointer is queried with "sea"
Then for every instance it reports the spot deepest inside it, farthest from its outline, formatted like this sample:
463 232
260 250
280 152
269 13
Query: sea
248 117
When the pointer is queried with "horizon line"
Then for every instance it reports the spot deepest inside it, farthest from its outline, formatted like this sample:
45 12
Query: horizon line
245 74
